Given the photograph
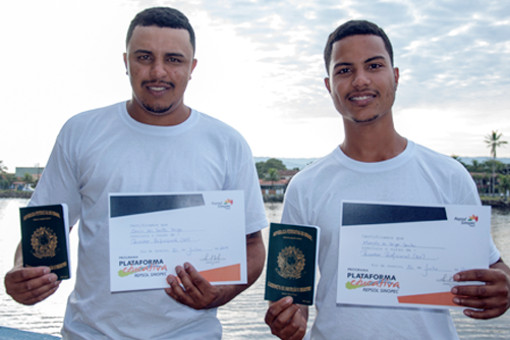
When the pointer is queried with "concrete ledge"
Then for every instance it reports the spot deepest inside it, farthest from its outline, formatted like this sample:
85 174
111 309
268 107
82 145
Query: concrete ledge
15 334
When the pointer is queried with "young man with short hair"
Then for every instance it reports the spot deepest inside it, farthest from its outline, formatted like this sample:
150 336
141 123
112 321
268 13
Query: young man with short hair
375 163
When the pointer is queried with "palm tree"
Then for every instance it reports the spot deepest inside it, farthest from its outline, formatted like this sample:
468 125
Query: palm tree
493 141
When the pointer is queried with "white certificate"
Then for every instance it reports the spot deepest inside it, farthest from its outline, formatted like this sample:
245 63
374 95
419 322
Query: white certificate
398 255
150 234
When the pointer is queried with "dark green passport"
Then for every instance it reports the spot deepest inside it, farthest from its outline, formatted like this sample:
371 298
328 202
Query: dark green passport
292 262
45 238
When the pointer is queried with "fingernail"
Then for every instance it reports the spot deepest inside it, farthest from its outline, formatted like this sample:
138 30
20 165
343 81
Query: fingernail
288 300
455 290
46 270
456 300
187 266
170 280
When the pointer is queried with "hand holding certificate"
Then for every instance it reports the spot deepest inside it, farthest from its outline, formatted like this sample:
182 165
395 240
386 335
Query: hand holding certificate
151 234
392 255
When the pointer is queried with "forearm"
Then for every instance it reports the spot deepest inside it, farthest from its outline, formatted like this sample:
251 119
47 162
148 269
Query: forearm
18 257
256 254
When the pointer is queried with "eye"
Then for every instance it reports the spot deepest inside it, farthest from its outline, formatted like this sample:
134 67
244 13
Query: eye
173 60
144 58
343 71
375 66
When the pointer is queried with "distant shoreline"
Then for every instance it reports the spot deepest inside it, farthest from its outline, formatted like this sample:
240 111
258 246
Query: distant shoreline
493 202
15 194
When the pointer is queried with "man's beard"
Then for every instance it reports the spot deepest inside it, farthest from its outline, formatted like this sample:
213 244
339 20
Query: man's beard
157 111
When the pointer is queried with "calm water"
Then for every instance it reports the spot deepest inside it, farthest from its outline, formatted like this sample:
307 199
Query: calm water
242 318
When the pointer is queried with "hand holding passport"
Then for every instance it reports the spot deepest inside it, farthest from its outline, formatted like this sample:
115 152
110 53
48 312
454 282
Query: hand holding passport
45 238
292 262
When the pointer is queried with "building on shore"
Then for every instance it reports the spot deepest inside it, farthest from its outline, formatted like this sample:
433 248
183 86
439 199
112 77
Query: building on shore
35 172
273 191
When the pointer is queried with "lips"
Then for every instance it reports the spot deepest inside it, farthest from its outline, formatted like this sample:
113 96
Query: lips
154 88
157 87
361 98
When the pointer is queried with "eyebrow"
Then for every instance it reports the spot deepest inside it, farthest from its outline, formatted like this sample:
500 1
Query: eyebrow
172 54
377 57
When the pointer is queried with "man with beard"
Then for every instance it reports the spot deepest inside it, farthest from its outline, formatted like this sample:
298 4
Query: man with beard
151 143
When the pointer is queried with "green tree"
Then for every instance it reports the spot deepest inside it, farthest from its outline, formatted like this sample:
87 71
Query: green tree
504 184
3 168
475 165
272 163
493 141
273 175
28 179
6 179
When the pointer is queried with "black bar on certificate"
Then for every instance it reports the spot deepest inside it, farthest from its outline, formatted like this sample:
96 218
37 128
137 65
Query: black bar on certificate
362 213
141 204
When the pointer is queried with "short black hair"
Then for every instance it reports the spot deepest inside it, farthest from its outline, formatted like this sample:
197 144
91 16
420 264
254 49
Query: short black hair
355 27
162 17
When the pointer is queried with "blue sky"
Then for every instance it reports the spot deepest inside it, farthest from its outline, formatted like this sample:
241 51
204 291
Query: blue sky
260 69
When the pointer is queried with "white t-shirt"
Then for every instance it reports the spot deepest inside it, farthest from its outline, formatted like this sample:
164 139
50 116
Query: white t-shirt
104 151
416 176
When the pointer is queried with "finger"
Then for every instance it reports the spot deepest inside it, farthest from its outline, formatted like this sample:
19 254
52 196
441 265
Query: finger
484 314
481 291
187 281
472 291
36 295
276 308
26 273
483 275
286 322
481 303
202 285
39 282
176 291
296 329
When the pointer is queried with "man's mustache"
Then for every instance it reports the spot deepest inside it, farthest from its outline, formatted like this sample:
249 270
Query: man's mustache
157 82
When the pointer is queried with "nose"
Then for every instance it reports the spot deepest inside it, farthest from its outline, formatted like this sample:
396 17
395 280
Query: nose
158 70
361 79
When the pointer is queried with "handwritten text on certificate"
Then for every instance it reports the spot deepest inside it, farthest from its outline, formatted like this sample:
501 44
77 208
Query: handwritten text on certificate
150 234
394 255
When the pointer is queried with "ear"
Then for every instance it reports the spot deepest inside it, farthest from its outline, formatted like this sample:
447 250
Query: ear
193 65
328 85
125 62
396 74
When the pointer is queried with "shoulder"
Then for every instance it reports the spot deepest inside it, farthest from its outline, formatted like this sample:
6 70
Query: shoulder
320 169
85 126
219 134
98 116
448 175
215 125
435 160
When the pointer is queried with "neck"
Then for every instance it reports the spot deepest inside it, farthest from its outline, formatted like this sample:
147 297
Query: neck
372 143
172 117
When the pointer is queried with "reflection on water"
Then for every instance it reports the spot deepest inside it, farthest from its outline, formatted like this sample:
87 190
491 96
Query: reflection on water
242 318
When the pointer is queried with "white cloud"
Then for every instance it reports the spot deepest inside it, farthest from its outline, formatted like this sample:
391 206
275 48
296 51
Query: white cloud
260 69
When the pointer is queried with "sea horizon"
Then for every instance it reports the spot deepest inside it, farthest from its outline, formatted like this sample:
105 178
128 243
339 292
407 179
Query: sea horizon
296 162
